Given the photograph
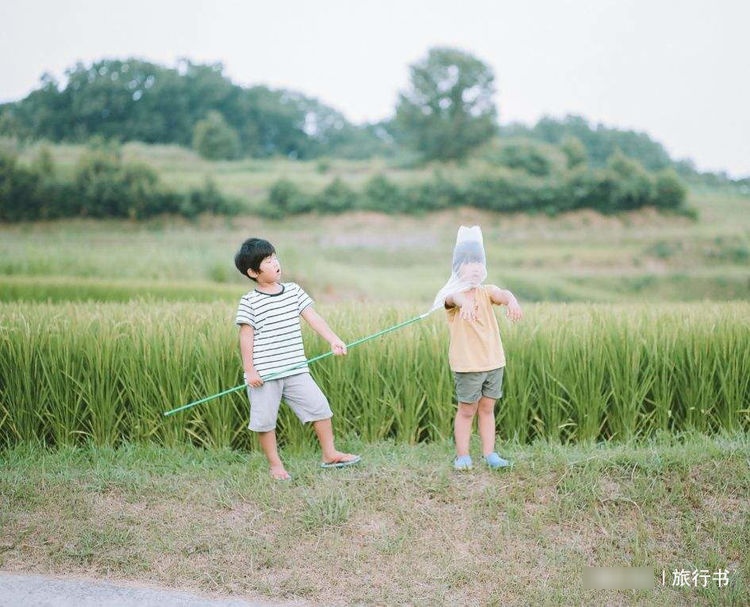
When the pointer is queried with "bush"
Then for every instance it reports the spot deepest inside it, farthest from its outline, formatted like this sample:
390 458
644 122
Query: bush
214 139
208 199
439 193
501 192
633 187
670 193
285 198
103 186
337 197
382 195
16 184
575 152
28 194
586 189
526 156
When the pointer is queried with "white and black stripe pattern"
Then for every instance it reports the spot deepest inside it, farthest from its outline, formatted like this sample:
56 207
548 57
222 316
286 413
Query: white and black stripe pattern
276 325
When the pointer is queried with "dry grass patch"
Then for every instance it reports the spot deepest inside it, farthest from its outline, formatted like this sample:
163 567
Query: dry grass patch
400 529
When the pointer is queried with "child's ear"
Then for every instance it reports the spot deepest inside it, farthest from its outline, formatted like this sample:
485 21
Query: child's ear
252 273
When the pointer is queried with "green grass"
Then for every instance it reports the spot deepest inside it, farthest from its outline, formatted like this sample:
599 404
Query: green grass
105 325
580 256
401 528
370 257
107 372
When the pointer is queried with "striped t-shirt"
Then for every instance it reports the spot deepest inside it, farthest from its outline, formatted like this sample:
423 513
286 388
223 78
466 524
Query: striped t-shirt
277 343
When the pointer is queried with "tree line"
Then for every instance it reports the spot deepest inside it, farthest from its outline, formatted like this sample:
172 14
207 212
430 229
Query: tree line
103 186
135 100
622 185
446 111
446 115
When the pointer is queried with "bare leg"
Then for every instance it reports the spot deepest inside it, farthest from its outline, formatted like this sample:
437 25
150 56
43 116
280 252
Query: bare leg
324 431
486 424
268 444
462 427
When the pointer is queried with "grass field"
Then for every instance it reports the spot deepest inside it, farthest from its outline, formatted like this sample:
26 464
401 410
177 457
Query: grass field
400 529
367 257
636 332
582 256
106 372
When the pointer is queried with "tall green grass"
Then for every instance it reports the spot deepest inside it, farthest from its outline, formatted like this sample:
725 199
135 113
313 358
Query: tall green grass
105 373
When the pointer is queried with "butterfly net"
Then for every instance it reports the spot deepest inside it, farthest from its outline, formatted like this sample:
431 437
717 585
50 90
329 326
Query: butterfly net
469 265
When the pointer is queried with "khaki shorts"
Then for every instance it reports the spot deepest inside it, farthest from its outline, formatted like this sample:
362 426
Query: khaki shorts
470 387
300 392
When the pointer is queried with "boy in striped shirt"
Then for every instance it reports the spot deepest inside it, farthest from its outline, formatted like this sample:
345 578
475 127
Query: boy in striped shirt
271 343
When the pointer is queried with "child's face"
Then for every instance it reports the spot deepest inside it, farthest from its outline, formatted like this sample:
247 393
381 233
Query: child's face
472 272
270 270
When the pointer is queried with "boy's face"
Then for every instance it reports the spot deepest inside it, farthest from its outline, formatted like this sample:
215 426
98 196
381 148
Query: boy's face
270 270
472 272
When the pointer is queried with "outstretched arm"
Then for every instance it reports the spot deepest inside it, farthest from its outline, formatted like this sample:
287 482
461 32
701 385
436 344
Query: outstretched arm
321 327
464 302
503 297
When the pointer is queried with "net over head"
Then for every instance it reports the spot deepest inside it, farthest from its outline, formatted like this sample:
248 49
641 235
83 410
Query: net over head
469 265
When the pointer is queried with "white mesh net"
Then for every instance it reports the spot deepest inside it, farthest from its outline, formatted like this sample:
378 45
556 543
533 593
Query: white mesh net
469 268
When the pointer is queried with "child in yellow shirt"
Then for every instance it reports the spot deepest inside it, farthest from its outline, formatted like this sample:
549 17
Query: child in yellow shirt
475 354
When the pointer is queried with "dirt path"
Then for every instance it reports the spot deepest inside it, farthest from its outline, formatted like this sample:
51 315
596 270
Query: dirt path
26 590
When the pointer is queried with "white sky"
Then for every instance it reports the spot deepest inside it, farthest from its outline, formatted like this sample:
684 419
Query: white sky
678 70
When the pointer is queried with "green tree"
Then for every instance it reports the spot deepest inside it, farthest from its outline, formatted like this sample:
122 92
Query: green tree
448 109
633 186
574 150
29 193
9 125
214 139
285 198
106 186
525 155
670 191
337 197
134 100
601 142
42 114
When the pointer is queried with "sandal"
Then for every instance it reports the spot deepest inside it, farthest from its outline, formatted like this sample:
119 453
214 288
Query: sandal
281 476
340 462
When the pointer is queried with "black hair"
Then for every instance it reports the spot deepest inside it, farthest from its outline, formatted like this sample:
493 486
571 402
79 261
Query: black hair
251 254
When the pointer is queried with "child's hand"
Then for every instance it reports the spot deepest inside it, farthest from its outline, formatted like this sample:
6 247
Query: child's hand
466 304
338 347
514 311
468 311
253 379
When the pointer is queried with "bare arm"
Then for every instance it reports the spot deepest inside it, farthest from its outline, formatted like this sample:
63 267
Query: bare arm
247 339
503 297
465 302
320 326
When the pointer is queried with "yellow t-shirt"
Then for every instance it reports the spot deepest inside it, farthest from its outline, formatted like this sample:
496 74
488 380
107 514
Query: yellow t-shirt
476 345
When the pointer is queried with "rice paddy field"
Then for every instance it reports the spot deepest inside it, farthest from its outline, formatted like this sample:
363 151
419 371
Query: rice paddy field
107 372
635 324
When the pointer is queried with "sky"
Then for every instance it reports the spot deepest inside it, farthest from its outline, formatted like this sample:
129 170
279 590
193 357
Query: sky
678 70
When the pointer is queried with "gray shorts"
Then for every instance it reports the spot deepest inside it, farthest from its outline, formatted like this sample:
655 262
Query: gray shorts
470 387
300 392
